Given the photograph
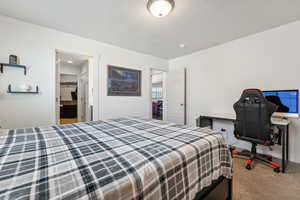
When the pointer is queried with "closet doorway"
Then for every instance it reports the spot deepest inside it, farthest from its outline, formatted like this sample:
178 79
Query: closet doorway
158 94
73 88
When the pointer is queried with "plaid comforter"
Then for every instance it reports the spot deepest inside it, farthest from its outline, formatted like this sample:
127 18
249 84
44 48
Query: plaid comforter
124 158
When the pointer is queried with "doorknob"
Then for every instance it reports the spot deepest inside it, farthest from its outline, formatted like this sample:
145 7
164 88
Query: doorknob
182 104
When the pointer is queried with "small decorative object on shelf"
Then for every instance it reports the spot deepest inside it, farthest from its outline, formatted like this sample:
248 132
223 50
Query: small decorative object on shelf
27 90
13 59
13 62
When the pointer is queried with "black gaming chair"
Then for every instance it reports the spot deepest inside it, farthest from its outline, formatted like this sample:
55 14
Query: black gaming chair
253 124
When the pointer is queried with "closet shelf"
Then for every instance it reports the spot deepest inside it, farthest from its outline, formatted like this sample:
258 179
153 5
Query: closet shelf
2 65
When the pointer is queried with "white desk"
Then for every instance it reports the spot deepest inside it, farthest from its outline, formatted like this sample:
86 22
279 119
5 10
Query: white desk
274 120
283 124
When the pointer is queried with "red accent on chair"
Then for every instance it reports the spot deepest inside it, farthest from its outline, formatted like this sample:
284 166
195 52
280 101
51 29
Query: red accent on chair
252 89
275 164
249 162
235 153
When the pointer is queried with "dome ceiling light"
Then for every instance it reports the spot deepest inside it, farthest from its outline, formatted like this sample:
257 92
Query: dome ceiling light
160 8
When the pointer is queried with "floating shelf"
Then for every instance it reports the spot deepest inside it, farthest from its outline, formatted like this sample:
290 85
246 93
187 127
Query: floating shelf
2 65
22 92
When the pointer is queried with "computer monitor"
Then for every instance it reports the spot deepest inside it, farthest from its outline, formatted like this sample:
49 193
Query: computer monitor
286 100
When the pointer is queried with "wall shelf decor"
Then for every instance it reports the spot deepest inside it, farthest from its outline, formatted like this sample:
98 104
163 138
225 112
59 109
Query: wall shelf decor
9 90
2 65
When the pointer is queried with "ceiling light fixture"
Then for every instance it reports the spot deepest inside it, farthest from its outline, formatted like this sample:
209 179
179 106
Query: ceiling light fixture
160 8
70 61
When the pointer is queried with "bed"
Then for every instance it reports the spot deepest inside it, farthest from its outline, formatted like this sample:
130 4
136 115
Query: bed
125 158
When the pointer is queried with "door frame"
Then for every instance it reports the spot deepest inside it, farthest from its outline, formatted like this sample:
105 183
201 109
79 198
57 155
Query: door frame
57 88
185 96
164 86
94 61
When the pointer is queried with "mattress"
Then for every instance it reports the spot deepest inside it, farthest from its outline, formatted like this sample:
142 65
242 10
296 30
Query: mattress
125 158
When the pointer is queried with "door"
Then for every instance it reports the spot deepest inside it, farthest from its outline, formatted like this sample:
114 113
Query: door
83 98
86 102
176 111
57 88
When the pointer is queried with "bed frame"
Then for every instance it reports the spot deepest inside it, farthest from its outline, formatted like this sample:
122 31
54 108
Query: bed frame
220 189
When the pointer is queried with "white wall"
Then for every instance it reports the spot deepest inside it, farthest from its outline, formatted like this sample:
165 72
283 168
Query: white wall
70 69
68 78
36 47
217 76
157 78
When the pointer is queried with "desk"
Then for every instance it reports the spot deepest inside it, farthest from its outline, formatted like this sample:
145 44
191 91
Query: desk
282 124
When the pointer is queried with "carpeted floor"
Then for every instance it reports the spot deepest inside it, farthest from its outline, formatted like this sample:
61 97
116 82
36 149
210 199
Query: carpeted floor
261 183
68 121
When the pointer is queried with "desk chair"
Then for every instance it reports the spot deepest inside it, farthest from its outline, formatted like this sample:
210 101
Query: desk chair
253 124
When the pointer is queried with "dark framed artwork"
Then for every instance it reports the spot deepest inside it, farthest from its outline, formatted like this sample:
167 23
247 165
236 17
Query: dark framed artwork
13 59
123 81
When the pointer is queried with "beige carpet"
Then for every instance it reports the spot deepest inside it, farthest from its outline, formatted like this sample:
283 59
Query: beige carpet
261 183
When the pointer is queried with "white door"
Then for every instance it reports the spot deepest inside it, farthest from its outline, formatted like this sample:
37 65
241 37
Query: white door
176 95
83 101
86 102
83 98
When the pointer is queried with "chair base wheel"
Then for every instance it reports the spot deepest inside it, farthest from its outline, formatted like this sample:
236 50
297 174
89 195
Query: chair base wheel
277 170
248 167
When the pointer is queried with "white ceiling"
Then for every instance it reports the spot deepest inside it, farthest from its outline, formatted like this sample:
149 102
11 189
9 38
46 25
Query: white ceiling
77 60
199 24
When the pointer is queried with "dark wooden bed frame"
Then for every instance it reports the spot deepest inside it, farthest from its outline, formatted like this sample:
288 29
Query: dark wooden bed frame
220 189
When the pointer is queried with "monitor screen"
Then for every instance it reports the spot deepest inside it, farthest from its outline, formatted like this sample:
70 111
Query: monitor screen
286 100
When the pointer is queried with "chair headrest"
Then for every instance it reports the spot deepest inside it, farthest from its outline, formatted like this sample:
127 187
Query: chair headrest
253 95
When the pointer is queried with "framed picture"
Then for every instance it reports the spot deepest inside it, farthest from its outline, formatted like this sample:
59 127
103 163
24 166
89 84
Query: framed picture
13 59
123 81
